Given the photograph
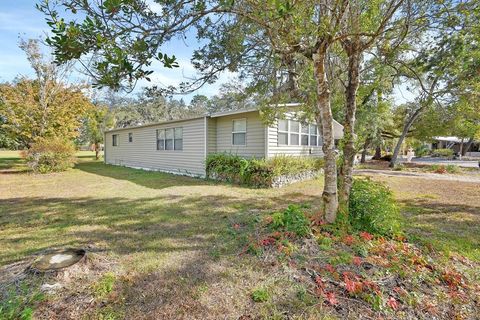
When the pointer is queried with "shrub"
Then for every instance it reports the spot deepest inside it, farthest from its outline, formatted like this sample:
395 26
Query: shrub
399 167
422 151
288 165
260 295
438 168
257 172
292 219
50 155
451 168
373 209
104 285
444 153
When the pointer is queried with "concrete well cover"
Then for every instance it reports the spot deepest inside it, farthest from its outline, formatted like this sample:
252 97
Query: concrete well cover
58 259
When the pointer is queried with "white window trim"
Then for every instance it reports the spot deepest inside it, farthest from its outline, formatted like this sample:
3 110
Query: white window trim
233 132
165 139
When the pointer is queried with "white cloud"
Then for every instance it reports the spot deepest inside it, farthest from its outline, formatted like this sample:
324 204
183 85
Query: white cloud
20 23
154 6
164 77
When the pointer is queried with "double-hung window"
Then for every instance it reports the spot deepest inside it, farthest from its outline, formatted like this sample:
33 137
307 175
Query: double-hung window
239 132
114 140
169 134
294 133
304 134
170 139
130 137
313 135
178 142
282 132
161 139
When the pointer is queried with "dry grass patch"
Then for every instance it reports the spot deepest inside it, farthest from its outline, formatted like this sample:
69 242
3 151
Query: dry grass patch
445 214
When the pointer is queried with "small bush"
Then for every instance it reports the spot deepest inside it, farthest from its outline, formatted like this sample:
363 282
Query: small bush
451 168
444 153
260 295
104 285
292 219
257 172
50 155
422 151
399 167
372 208
437 168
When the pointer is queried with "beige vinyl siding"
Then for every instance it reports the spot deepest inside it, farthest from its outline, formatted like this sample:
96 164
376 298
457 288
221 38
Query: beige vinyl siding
337 130
212 135
143 153
274 149
255 137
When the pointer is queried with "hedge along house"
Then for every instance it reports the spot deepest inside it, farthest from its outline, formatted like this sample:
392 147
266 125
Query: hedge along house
181 146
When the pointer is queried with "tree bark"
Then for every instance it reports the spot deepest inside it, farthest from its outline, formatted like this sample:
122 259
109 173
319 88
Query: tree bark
405 130
97 151
325 118
378 153
346 170
467 147
364 151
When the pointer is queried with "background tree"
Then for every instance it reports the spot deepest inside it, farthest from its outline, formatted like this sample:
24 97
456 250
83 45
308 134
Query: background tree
45 106
98 120
443 71
7 141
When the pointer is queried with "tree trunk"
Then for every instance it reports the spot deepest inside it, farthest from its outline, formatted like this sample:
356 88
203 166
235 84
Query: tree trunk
467 147
97 151
378 153
364 151
405 130
325 118
461 148
346 171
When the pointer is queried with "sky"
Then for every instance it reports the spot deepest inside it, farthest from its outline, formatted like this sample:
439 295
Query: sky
20 18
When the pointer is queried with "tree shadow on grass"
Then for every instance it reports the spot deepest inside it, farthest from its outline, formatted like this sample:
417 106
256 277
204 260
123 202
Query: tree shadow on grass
12 165
149 179
161 224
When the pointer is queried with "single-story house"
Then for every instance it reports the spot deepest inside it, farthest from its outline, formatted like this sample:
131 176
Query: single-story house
457 144
181 146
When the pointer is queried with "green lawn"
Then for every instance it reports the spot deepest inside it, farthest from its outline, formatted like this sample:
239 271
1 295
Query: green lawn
163 241
146 224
